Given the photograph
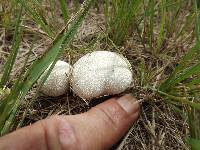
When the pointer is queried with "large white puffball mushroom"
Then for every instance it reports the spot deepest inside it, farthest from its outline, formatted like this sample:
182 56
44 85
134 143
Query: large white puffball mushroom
57 82
101 73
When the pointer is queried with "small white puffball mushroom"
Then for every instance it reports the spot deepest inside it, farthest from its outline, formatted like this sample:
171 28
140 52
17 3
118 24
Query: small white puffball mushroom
101 73
57 82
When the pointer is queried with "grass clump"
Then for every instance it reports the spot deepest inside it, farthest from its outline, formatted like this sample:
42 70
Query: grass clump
120 17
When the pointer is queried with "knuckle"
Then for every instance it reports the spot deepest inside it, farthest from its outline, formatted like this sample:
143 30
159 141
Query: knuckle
67 135
64 131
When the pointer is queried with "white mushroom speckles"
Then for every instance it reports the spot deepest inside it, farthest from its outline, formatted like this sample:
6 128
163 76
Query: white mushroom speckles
101 73
58 81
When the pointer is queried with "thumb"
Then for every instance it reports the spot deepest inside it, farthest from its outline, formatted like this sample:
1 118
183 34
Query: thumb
105 124
96 129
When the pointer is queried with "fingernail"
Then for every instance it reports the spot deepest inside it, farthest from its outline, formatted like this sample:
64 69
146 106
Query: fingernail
128 103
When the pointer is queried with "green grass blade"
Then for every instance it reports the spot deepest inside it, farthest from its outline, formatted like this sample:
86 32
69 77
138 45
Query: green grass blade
14 50
162 27
37 17
194 127
76 5
178 111
194 122
106 13
188 57
194 81
194 143
185 74
64 10
197 26
11 119
8 103
182 65
180 100
151 24
173 13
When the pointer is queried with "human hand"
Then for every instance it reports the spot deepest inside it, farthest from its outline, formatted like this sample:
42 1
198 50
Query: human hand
97 129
